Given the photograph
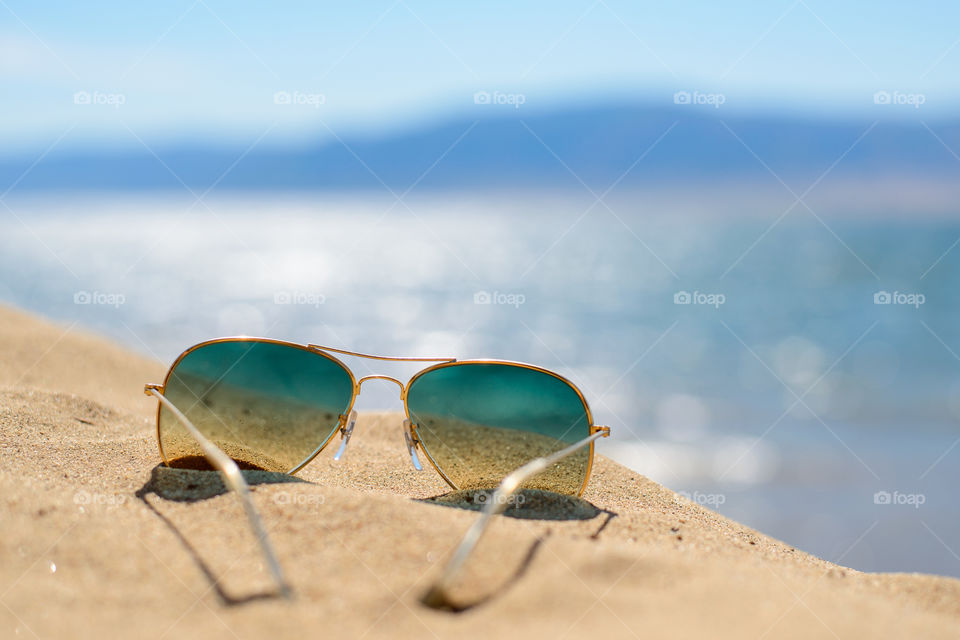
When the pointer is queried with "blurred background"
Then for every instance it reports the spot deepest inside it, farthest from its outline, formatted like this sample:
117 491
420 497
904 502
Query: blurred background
733 226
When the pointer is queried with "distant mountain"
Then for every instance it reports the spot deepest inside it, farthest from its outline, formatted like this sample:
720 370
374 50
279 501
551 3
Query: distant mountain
506 147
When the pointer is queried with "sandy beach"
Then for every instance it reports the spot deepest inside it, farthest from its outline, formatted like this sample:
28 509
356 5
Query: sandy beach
98 541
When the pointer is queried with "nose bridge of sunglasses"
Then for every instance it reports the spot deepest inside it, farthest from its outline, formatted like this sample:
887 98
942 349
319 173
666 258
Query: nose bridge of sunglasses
383 395
346 430
378 376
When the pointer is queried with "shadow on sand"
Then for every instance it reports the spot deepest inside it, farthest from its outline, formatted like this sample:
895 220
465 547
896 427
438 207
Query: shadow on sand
195 485
526 504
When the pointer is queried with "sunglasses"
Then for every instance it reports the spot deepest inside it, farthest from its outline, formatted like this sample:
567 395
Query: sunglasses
259 404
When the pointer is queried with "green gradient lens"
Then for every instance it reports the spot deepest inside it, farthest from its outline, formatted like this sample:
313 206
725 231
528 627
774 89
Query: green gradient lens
267 405
480 421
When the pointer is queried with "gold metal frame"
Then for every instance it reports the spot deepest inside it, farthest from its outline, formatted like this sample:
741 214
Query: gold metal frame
325 352
340 424
592 428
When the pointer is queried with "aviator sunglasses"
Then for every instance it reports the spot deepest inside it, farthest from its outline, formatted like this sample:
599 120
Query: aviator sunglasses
260 404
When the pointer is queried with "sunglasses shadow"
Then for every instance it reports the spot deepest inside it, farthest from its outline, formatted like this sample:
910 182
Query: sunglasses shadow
526 504
193 485
530 504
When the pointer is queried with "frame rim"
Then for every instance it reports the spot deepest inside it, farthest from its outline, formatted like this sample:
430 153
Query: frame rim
205 343
513 363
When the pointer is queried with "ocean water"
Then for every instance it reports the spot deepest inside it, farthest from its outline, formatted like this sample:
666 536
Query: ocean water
797 372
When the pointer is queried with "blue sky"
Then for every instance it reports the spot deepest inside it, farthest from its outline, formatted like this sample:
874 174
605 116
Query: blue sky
210 70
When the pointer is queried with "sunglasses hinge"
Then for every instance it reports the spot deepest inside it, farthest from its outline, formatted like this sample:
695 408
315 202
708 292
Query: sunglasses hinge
147 388
600 429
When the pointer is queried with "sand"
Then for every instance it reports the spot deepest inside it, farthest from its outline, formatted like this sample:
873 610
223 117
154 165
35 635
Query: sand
97 541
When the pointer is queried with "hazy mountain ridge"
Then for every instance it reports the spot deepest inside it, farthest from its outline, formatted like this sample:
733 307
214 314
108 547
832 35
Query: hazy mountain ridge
509 147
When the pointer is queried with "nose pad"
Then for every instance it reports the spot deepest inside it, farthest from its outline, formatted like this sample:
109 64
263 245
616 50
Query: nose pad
411 445
345 433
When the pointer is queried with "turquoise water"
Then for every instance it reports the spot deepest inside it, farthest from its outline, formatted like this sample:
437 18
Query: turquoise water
781 394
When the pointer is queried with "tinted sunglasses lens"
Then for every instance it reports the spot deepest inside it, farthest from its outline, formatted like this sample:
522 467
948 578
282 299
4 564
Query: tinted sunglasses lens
479 421
268 406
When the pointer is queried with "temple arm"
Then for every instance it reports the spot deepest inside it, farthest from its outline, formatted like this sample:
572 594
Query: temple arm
436 596
233 479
